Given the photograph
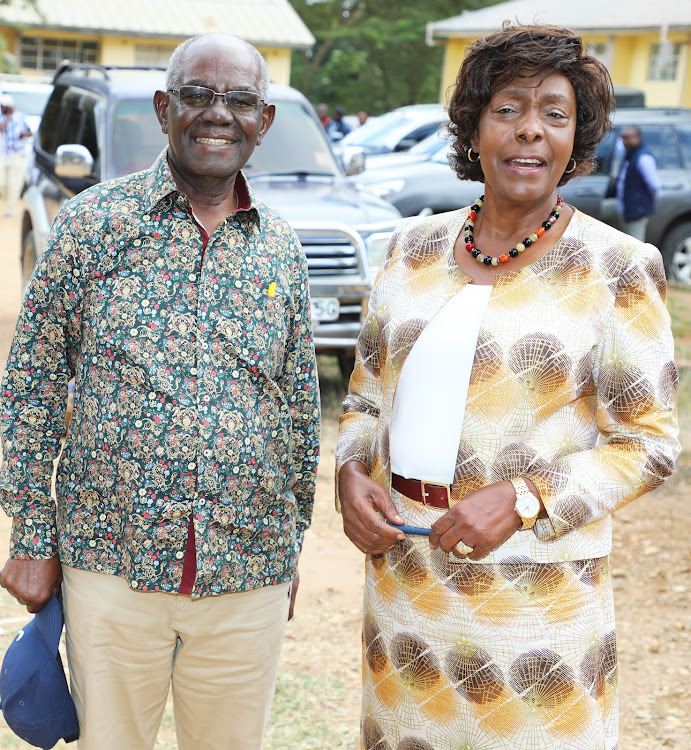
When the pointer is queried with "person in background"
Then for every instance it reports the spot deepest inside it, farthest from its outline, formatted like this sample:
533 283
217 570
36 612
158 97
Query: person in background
14 132
323 114
514 386
180 303
362 117
338 128
638 184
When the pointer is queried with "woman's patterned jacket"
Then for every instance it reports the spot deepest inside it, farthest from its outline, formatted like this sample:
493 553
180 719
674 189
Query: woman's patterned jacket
573 382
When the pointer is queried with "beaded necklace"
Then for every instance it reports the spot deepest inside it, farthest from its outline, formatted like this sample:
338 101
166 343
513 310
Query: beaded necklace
489 260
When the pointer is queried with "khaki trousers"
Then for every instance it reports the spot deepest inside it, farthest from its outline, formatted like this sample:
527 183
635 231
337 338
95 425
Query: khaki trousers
125 648
12 169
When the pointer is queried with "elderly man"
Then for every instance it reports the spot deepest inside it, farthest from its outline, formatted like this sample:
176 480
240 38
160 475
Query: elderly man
180 303
14 132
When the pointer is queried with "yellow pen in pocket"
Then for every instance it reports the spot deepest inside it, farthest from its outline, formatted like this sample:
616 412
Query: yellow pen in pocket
272 289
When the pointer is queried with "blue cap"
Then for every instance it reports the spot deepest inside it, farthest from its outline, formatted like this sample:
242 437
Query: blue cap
34 696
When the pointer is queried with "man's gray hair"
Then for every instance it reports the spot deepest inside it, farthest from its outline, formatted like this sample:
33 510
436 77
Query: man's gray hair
175 63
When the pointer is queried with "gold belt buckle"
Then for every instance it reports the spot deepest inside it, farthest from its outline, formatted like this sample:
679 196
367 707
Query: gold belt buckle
425 495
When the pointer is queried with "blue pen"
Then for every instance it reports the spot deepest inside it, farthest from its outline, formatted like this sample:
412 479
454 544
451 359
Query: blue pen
414 530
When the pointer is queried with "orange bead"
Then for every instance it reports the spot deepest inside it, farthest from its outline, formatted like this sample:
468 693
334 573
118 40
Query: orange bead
504 258
472 215
540 231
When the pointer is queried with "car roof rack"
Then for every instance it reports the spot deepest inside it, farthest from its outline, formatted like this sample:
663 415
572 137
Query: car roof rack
87 68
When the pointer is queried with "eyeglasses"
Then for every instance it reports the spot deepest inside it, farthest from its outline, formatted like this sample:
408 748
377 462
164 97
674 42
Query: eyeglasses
201 97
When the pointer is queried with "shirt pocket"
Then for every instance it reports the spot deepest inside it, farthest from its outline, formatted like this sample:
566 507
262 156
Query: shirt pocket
257 327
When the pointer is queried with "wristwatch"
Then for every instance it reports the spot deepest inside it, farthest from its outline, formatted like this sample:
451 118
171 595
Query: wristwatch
527 505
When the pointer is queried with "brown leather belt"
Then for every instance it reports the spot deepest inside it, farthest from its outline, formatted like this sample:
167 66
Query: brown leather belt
433 494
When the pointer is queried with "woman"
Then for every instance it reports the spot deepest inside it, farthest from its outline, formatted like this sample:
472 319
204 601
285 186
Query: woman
514 386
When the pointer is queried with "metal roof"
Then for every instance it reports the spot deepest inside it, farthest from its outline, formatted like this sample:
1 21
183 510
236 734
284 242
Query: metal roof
264 23
584 15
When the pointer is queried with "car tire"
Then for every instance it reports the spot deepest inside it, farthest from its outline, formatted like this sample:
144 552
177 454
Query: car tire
28 258
676 253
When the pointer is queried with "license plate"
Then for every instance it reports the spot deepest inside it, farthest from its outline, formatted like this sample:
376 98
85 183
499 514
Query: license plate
325 308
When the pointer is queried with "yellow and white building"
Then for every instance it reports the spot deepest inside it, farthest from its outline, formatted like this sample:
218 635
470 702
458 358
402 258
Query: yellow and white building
144 32
645 45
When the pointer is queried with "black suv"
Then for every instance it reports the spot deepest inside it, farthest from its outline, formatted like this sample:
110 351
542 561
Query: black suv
99 123
666 134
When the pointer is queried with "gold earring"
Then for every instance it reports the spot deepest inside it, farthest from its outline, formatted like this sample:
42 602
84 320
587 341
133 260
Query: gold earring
471 150
569 171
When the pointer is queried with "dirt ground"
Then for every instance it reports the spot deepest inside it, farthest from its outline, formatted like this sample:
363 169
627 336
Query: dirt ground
651 565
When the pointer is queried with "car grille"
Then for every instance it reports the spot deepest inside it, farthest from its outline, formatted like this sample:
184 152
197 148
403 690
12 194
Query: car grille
329 255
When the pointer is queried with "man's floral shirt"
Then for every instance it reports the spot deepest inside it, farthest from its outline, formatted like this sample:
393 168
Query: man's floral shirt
196 393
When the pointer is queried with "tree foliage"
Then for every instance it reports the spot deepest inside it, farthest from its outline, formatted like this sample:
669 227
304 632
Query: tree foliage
372 54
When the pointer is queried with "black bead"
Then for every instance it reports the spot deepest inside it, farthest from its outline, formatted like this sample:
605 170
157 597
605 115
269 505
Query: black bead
475 207
475 252
527 242
555 214
513 252
487 260
547 224
469 238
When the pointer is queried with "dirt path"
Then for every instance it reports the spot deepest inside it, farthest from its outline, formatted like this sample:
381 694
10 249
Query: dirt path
321 659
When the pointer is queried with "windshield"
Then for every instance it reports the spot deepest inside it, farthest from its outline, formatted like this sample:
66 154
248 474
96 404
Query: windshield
431 145
30 102
295 144
136 137
378 134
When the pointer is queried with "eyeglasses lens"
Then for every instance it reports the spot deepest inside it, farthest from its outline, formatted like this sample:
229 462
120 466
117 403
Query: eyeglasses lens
201 97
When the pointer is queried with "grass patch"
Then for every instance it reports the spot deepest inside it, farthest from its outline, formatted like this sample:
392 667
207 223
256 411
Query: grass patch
679 306
307 714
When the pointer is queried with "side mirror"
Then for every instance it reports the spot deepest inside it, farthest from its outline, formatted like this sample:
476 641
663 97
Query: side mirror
74 161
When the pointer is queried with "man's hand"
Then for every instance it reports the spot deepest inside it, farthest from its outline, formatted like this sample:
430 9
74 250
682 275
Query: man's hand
362 502
483 520
32 582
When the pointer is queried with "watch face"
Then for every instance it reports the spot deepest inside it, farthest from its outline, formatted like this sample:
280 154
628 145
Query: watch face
528 506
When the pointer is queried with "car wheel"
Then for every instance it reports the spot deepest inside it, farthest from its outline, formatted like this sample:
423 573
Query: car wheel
676 253
28 258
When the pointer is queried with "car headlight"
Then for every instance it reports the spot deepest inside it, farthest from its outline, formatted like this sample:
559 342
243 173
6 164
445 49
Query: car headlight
376 245
385 190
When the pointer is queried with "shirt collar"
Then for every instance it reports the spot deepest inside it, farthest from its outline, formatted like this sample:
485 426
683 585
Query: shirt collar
162 185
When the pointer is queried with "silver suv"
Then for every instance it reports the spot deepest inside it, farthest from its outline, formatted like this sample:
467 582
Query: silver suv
99 123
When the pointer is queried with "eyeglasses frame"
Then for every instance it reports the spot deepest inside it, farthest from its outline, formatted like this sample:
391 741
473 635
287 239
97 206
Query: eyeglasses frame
216 93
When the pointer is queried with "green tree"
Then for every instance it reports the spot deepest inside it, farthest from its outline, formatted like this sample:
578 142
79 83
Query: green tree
372 54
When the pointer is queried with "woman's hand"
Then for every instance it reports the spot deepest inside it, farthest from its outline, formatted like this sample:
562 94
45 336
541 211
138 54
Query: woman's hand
483 520
362 502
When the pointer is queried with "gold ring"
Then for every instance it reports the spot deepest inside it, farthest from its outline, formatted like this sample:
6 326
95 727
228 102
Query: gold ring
463 549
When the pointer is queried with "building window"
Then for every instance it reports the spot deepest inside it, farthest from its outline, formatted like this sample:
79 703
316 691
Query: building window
40 53
152 55
664 61
601 51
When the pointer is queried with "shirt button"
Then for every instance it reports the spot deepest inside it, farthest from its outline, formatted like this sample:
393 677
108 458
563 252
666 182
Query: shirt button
176 514
208 453
192 466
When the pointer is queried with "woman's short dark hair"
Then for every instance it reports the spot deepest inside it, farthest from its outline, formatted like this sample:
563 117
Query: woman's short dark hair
534 51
